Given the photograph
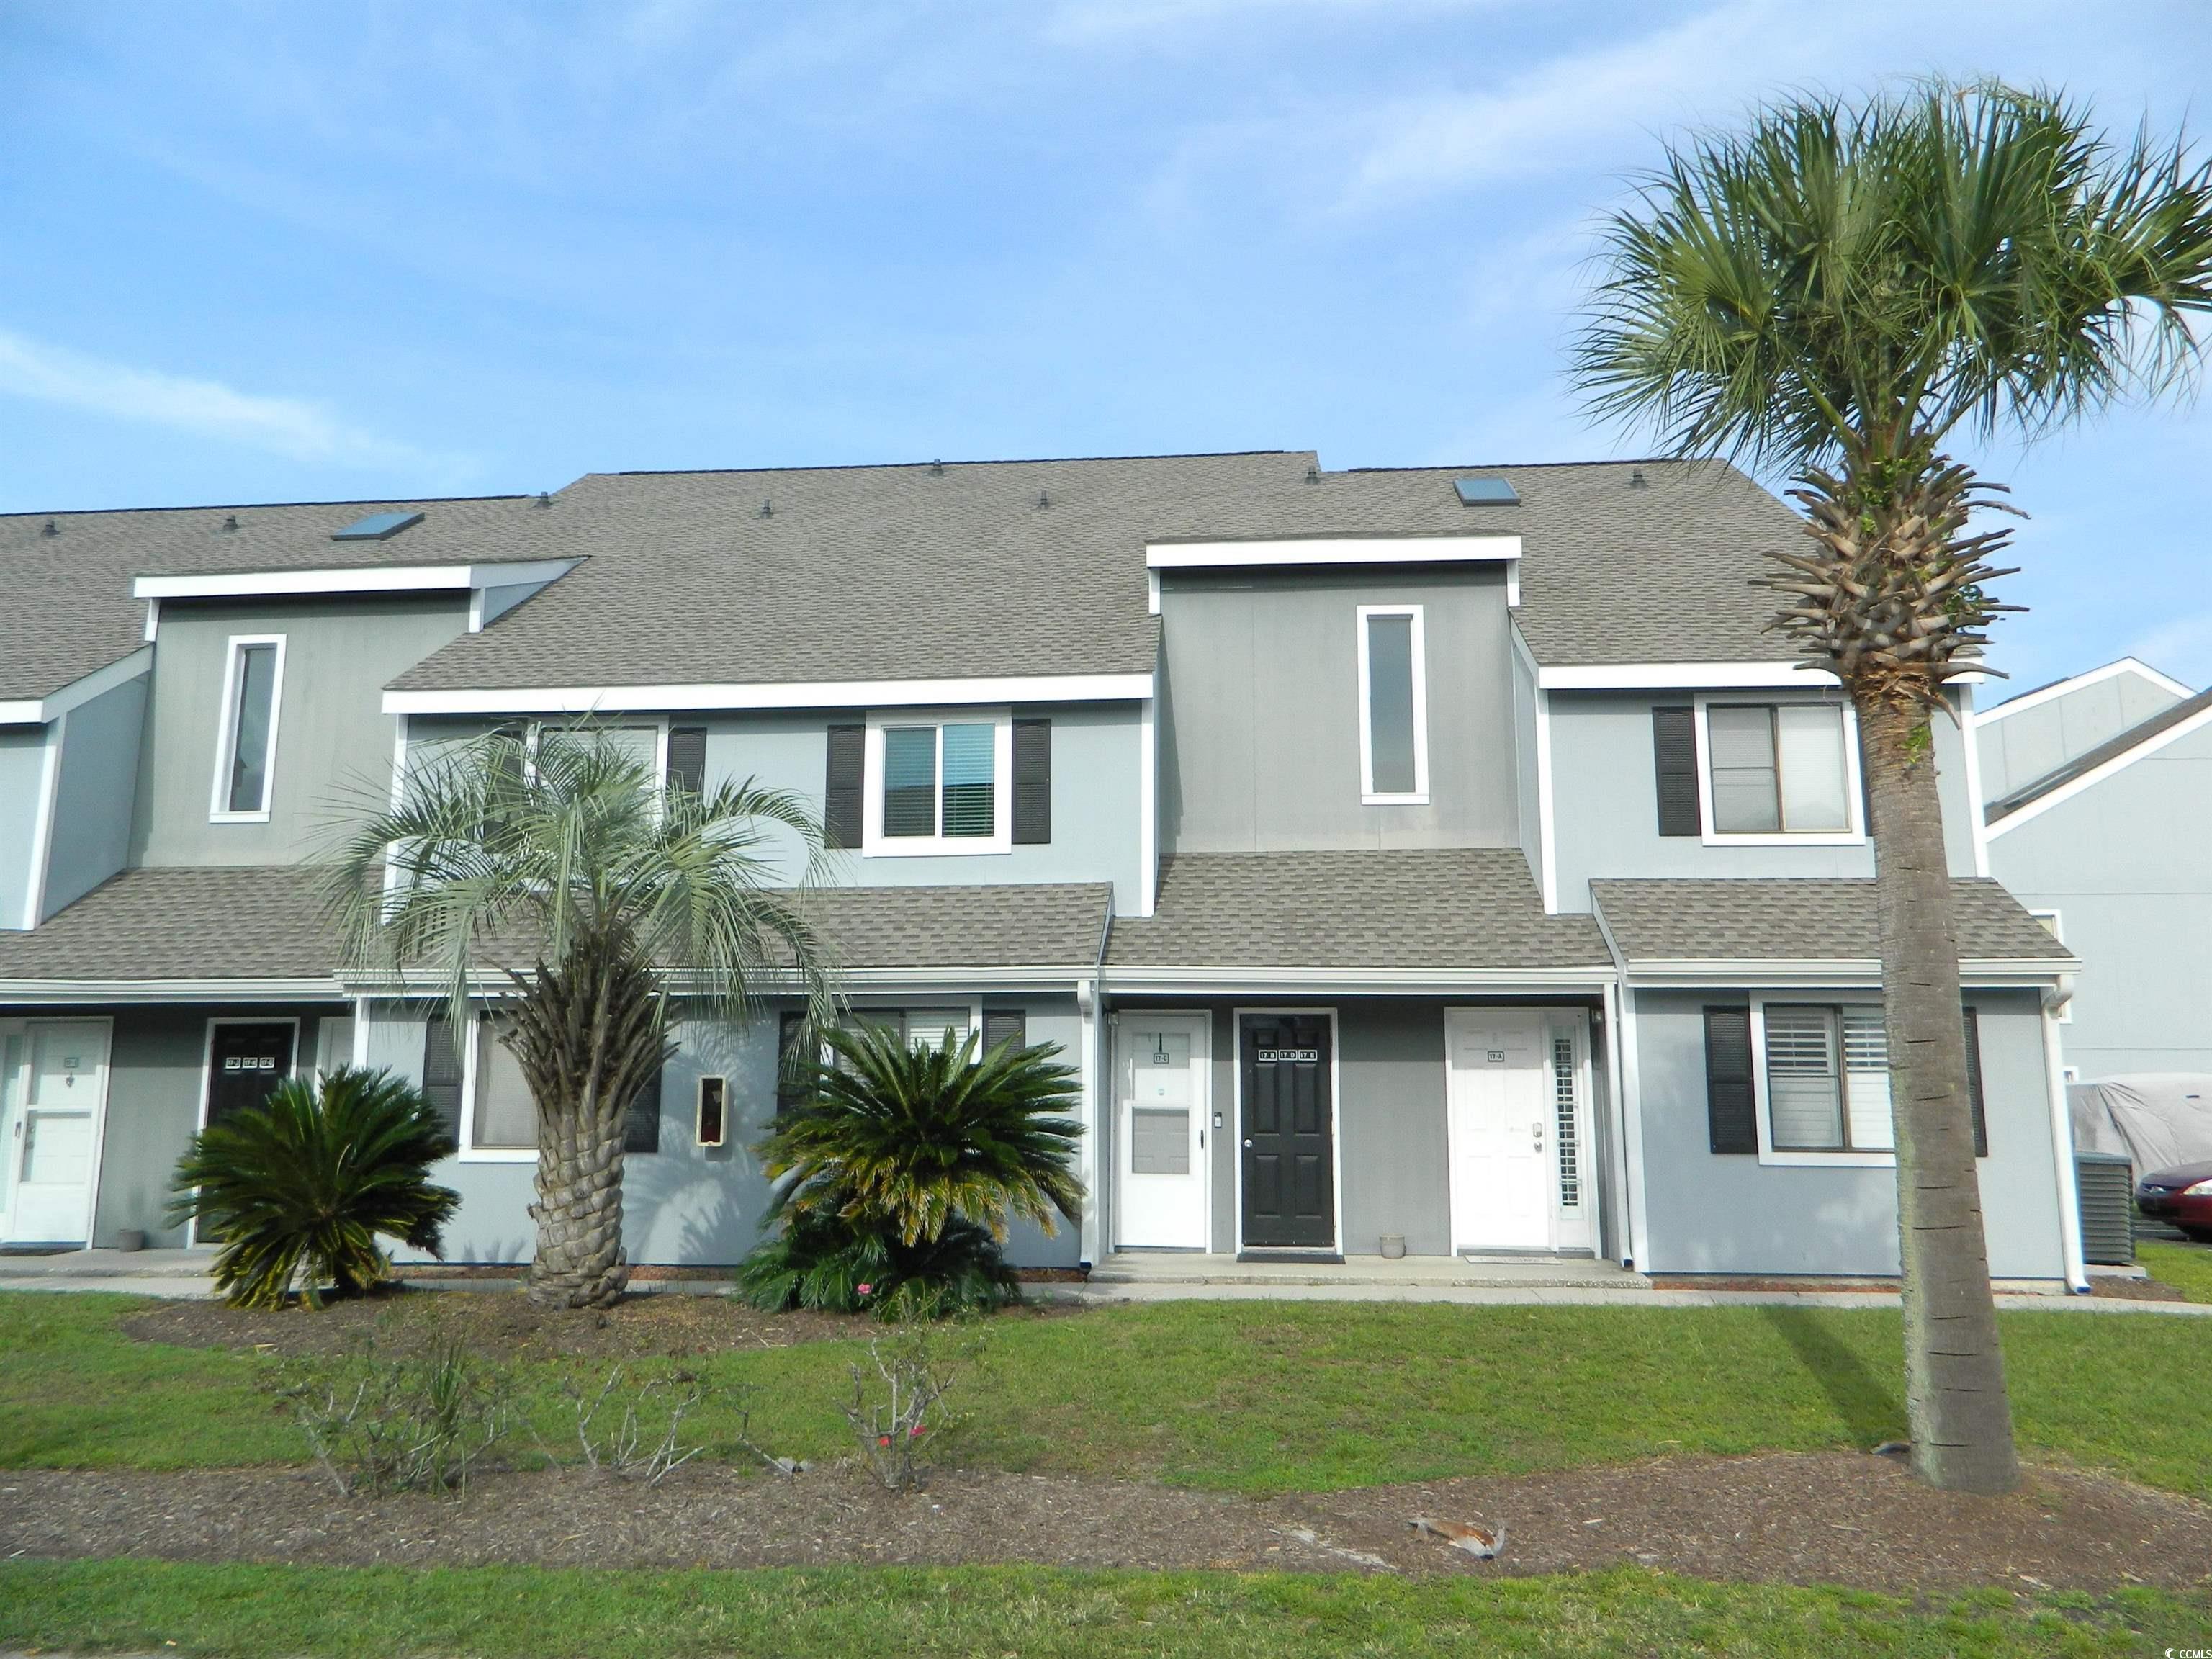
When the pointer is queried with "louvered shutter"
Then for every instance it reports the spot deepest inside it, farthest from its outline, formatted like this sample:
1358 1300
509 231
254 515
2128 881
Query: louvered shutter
441 1075
687 758
1004 1024
1731 1112
1032 782
1674 762
841 790
1974 1083
641 1123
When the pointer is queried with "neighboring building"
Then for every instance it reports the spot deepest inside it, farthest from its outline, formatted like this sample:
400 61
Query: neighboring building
1439 854
2099 793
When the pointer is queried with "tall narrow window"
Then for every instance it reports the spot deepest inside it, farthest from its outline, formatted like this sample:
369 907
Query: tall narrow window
247 747
1392 703
1777 769
941 788
1563 1107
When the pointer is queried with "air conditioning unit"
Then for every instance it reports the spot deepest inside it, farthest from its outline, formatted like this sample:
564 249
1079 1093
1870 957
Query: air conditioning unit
2107 1185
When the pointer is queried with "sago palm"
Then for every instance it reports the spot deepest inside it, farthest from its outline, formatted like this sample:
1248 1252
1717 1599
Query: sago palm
559 873
1839 292
296 1190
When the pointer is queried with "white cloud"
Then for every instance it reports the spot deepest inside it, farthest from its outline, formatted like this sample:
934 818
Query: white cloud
206 408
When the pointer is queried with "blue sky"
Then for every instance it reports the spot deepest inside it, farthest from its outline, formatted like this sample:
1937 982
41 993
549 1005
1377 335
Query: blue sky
286 251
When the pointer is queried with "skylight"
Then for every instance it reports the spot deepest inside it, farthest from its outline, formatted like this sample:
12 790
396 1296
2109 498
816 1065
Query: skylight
376 527
1487 492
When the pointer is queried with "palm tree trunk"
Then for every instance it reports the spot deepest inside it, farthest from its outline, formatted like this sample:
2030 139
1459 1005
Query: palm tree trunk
589 1038
1954 1386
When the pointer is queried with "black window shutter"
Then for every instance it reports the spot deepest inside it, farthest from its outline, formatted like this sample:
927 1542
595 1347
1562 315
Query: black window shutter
687 758
791 1075
1032 782
1730 1111
1974 1083
1674 758
841 790
641 1123
441 1073
1004 1024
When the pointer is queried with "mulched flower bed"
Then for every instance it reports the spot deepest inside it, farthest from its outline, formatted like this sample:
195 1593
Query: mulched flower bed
505 1325
1833 1518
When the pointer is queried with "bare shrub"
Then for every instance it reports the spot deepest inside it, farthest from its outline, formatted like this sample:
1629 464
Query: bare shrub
378 1425
898 1410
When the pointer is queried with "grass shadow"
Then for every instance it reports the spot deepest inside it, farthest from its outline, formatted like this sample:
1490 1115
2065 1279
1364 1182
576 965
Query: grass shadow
1871 1404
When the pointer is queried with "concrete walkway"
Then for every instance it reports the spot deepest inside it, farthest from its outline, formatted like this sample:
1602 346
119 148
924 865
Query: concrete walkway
1166 1277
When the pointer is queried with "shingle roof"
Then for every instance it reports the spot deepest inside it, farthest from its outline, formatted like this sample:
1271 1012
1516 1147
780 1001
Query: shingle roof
240 922
65 603
255 923
1471 908
1799 921
2089 760
911 573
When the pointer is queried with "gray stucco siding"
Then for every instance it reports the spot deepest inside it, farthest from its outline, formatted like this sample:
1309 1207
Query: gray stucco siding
1729 1213
1260 729
97 786
685 1204
334 742
2021 747
2124 864
22 769
1605 814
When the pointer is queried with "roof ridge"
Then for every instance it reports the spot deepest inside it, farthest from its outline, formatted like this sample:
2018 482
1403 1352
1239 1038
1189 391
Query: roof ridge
234 507
902 466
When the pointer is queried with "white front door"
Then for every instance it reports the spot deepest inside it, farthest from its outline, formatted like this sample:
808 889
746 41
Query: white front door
56 1096
1161 1183
1500 1134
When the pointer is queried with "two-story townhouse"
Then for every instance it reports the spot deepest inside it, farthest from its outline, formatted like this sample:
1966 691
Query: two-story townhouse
1430 858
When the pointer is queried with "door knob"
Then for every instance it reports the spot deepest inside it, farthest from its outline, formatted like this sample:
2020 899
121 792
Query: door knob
1247 1140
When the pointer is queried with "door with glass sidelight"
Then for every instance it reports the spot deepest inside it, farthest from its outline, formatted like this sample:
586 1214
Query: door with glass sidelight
53 1094
1517 1130
1160 1185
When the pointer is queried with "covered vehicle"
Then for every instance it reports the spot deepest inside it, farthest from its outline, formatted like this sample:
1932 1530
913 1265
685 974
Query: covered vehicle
2181 1195
2161 1121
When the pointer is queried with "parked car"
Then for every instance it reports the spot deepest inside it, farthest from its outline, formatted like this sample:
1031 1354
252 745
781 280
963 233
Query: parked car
2181 1195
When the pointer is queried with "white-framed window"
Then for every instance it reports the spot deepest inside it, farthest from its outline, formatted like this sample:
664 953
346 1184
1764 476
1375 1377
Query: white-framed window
939 782
1394 706
499 1114
1778 774
246 743
1820 1071
2054 924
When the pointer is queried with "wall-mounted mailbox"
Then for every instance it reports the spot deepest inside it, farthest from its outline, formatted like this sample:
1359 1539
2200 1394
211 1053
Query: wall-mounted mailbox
714 1109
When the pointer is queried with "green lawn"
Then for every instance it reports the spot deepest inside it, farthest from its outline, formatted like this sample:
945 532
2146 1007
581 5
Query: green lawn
1254 1396
280 1612
2188 1270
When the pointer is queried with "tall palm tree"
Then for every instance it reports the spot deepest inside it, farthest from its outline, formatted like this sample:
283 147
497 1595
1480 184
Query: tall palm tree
561 872
1836 292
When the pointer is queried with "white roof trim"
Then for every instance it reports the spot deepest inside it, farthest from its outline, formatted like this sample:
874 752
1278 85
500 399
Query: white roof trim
385 984
1321 980
352 579
1683 677
1746 972
1355 550
2096 775
819 694
38 711
170 990
2059 688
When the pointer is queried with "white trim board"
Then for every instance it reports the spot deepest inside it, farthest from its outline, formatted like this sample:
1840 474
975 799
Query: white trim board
1546 834
2096 775
1842 972
1684 676
38 711
50 992
2059 689
816 693
1319 550
42 824
350 579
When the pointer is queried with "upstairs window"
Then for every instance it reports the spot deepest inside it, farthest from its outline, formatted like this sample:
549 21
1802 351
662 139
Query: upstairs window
246 745
1393 714
940 784
1779 771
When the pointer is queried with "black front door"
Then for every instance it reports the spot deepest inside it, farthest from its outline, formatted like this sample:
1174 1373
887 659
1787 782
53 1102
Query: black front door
1290 1167
245 1064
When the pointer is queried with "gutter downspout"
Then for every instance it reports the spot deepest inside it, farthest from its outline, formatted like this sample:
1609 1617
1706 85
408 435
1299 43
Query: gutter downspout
1628 1126
1088 992
2062 1138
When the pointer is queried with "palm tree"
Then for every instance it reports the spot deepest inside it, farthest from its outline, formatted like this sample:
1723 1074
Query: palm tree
562 873
1836 292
